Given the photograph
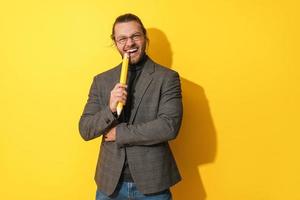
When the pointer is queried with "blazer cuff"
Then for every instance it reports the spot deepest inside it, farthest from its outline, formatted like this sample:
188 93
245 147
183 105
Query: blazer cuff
109 117
122 135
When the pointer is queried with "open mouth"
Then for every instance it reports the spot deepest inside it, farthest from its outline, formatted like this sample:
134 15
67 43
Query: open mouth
132 50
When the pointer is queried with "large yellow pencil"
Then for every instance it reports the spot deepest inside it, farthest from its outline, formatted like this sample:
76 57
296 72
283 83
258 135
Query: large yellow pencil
123 79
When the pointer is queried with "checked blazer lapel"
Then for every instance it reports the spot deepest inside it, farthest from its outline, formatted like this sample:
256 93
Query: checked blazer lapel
141 87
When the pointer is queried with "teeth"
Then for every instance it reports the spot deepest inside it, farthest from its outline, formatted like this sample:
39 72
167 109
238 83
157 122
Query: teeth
132 50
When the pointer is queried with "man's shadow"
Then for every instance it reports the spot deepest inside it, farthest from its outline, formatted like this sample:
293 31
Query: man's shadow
196 143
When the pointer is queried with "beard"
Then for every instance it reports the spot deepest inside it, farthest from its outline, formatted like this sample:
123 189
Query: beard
136 53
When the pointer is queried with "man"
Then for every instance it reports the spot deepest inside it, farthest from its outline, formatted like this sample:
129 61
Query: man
135 160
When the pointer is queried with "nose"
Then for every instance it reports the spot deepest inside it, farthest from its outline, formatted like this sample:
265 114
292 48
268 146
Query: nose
129 42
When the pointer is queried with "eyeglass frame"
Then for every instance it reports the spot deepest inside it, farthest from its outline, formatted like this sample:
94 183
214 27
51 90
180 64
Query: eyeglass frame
134 37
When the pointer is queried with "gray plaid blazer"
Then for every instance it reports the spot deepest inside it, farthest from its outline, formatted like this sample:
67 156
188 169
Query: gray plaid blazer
155 120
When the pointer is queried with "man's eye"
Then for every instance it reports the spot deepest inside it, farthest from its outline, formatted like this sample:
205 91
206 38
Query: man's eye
136 37
121 40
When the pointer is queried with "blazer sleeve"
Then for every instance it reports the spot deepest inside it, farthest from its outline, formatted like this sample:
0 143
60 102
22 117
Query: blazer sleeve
97 117
167 124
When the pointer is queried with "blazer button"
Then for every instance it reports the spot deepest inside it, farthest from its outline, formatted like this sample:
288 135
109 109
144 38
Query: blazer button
107 121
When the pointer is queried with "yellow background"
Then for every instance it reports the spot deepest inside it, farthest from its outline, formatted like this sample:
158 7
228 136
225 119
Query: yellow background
239 64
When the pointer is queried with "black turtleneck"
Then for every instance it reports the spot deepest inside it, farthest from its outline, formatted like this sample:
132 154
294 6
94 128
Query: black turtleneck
134 72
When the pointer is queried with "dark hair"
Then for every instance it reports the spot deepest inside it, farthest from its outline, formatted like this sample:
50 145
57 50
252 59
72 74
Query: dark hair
128 17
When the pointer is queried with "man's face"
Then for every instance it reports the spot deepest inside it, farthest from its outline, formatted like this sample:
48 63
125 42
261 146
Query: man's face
129 37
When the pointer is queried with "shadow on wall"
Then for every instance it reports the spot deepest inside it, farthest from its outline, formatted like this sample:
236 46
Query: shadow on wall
197 142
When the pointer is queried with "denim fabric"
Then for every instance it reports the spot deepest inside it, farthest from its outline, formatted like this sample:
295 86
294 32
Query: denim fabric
129 191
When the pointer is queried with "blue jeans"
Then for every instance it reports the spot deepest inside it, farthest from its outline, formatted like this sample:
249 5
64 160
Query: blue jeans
128 191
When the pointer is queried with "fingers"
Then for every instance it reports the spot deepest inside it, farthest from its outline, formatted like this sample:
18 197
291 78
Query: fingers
118 94
110 136
120 85
119 91
107 138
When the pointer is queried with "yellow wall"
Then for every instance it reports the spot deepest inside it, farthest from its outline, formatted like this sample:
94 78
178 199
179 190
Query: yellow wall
240 75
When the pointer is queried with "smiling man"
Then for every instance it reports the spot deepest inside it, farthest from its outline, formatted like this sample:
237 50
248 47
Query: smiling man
135 161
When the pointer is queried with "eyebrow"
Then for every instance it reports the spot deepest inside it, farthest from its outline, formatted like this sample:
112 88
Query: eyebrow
130 35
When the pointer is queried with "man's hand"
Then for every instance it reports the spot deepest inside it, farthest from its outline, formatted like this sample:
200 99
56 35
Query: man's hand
118 94
111 135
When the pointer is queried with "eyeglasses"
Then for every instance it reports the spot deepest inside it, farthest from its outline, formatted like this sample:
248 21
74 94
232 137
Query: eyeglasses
135 37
